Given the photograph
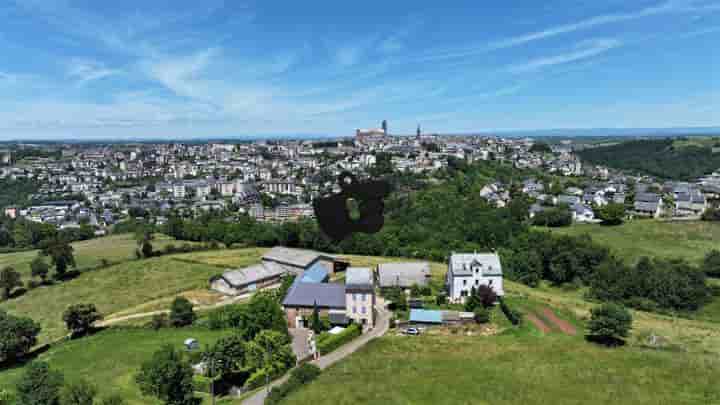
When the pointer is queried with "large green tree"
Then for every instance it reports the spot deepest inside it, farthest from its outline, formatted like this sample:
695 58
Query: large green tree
40 268
79 318
40 385
17 336
9 280
181 312
168 377
611 214
62 255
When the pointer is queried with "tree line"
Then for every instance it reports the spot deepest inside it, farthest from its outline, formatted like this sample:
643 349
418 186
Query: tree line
657 157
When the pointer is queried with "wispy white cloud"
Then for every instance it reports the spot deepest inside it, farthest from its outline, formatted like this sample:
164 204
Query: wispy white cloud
85 71
585 50
667 7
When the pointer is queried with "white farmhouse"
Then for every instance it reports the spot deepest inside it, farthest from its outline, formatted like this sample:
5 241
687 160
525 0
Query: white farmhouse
468 270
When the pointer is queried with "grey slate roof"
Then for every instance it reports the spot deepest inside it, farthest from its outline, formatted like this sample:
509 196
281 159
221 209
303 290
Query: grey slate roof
253 274
647 197
403 274
358 278
325 295
646 206
461 263
293 257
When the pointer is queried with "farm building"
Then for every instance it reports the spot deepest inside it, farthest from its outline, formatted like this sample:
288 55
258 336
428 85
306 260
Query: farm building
276 263
403 275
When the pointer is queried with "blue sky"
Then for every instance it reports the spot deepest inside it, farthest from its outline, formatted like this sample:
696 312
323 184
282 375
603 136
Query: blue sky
175 69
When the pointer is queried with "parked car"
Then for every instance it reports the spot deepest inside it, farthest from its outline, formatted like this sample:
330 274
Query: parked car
412 331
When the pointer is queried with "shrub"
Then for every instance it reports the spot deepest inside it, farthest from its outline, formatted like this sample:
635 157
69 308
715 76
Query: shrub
230 316
114 399
181 312
78 393
258 379
482 315
609 323
6 397
40 385
327 343
486 295
711 264
514 316
202 384
298 377
159 321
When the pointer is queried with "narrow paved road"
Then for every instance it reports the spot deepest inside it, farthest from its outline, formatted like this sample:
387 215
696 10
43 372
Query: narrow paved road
382 325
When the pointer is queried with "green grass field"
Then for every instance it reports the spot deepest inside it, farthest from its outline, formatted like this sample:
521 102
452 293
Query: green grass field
682 239
89 253
111 358
512 369
121 287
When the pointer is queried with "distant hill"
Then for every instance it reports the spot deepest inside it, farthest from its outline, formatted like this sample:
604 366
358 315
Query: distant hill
665 158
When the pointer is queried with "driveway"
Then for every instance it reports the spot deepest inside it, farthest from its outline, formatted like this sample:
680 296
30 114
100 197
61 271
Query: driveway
382 326
300 342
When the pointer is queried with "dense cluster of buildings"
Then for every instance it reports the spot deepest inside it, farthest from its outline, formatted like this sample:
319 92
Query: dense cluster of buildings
277 181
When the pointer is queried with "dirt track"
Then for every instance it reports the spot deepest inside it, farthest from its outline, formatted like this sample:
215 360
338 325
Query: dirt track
561 324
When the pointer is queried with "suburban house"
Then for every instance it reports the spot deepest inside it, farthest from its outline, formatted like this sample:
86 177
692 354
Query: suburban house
353 301
690 203
648 205
403 275
582 213
275 264
468 270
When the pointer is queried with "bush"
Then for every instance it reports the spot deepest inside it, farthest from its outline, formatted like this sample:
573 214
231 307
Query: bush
258 378
78 393
40 385
298 377
514 316
482 315
202 384
114 399
327 343
159 321
711 264
181 312
609 323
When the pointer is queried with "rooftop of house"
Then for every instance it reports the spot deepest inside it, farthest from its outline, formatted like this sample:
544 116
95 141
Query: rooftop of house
359 278
462 264
307 295
293 257
403 274
252 274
